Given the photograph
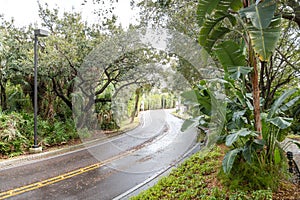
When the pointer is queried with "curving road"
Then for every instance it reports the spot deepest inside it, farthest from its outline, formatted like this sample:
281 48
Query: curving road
105 170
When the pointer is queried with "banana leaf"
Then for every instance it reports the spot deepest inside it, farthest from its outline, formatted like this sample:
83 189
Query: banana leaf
229 158
232 59
264 40
260 14
205 7
232 138
289 104
230 54
281 122
211 31
280 101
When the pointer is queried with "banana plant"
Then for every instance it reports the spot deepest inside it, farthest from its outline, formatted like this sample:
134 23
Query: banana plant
275 123
264 29
258 29
244 143
256 24
217 18
245 146
213 27
200 108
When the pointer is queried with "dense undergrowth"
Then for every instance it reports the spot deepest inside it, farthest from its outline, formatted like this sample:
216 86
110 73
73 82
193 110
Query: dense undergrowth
201 177
17 135
17 132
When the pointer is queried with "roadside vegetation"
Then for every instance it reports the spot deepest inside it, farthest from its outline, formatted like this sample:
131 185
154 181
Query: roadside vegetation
16 130
201 177
17 133
61 55
248 86
255 96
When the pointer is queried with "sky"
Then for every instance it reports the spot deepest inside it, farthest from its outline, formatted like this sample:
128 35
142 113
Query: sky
25 12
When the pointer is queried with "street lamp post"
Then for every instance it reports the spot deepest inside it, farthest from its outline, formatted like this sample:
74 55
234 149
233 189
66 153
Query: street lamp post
37 33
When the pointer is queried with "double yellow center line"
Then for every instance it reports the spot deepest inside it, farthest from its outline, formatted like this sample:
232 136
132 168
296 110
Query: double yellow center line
34 186
37 185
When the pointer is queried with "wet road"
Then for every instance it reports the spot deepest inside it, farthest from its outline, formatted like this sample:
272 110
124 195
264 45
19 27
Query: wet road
104 170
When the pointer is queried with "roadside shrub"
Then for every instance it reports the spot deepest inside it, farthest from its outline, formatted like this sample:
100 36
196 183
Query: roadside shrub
253 176
195 179
58 133
17 132
12 140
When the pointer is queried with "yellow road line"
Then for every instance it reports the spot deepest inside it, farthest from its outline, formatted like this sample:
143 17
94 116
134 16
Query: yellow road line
37 185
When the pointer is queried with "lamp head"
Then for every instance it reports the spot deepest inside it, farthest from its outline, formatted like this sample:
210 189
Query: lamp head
41 33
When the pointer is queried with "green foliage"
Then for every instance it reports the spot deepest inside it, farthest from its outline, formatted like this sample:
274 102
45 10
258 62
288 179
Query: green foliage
264 41
262 195
187 181
232 138
260 14
190 180
12 138
293 110
200 102
155 100
264 158
211 32
281 122
264 29
297 143
224 35
61 55
57 133
199 99
245 147
266 177
278 103
256 195
204 8
16 132
272 133
229 160
232 59
275 127
236 71
14 52
212 27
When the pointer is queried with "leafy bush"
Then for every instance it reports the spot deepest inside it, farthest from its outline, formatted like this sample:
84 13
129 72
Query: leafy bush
188 181
255 176
12 140
262 153
260 163
195 179
57 132
17 132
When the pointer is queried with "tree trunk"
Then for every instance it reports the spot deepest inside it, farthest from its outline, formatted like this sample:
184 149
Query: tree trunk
58 91
3 97
136 104
261 81
255 91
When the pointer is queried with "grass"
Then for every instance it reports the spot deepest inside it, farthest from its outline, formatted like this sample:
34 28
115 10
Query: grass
199 178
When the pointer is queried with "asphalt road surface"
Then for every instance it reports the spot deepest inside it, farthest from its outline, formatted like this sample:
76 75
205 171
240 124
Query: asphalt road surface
105 170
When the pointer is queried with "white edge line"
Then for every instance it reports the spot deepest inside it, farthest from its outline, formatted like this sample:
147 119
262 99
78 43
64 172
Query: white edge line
155 175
